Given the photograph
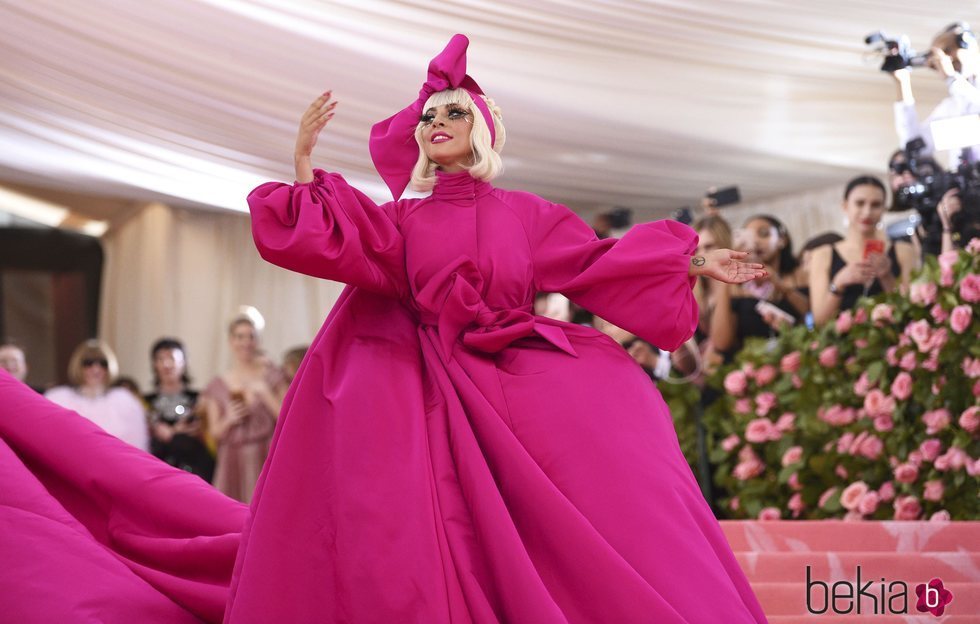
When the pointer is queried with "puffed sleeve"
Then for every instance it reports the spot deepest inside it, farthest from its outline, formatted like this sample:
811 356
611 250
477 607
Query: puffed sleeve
328 229
639 282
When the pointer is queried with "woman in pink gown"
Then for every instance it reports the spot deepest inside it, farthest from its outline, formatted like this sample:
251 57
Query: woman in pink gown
444 455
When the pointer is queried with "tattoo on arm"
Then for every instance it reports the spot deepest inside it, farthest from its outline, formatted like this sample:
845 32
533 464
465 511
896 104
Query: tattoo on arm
697 260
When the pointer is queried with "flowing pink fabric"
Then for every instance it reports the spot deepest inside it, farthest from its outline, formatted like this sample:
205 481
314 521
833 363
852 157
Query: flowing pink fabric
93 529
446 456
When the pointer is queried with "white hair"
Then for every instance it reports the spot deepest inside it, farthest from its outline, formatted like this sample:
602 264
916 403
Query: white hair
486 158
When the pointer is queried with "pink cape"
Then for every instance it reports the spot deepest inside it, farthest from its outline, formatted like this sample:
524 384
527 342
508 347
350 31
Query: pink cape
444 455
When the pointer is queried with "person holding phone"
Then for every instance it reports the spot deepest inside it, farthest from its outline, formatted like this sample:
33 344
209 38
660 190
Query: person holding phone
761 307
242 406
175 421
862 264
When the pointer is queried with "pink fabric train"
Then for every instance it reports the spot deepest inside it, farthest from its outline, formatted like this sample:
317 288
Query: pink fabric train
442 456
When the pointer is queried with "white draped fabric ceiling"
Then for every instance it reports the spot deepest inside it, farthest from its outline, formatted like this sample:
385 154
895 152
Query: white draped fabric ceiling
638 104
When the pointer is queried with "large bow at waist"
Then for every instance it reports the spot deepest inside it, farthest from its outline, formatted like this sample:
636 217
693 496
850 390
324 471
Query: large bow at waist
451 302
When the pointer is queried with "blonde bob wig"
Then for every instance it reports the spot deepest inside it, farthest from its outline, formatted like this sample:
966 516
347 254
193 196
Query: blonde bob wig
486 159
91 350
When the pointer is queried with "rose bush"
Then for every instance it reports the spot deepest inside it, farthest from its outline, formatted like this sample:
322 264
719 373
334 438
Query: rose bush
873 416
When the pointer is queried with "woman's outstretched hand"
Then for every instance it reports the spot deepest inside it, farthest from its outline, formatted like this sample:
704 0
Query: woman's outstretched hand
310 125
726 266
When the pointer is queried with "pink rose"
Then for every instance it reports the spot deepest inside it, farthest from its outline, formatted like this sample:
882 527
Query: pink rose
796 504
972 468
970 418
852 494
769 514
764 402
844 443
886 491
877 404
902 386
919 331
960 317
947 260
736 382
792 455
862 385
828 357
765 375
797 382
942 515
930 449
907 508
957 458
786 422
908 361
882 314
748 469
790 363
936 420
794 482
915 458
826 496
760 430
933 491
853 516
942 463
747 454
932 362
939 314
743 406
730 443
923 293
976 389
837 415
937 340
749 369
871 447
844 322
970 288
971 367
946 277
869 503
861 316
734 503
906 473
891 357
884 423
973 246
841 471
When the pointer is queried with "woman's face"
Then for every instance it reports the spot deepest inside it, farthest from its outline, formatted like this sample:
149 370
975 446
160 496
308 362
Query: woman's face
446 136
706 241
761 239
863 208
95 371
244 341
169 365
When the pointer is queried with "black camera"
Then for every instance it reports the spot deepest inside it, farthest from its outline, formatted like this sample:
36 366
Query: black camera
897 51
925 192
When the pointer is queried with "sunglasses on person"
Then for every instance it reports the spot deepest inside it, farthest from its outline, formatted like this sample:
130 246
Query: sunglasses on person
104 363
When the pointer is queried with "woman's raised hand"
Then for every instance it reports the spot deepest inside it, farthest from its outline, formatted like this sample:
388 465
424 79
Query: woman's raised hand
313 121
726 266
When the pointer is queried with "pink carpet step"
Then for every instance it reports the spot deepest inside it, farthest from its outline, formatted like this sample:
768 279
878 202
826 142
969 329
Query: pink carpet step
909 567
789 598
840 536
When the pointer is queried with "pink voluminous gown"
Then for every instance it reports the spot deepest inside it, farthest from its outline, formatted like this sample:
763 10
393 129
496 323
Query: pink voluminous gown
444 455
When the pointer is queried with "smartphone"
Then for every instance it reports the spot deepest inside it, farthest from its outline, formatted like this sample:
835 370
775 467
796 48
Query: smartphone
724 197
765 307
873 246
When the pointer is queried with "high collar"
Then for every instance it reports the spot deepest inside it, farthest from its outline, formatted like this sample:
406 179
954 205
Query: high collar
456 186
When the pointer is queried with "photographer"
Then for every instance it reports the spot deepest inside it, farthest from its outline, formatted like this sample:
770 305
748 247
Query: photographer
956 56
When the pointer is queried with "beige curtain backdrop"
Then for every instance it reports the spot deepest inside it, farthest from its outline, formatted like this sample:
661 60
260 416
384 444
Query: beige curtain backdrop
183 273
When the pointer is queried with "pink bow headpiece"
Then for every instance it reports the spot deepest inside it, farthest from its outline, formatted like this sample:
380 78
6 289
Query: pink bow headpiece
393 146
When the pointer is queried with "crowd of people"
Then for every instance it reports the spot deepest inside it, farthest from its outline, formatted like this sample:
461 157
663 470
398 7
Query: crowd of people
221 433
